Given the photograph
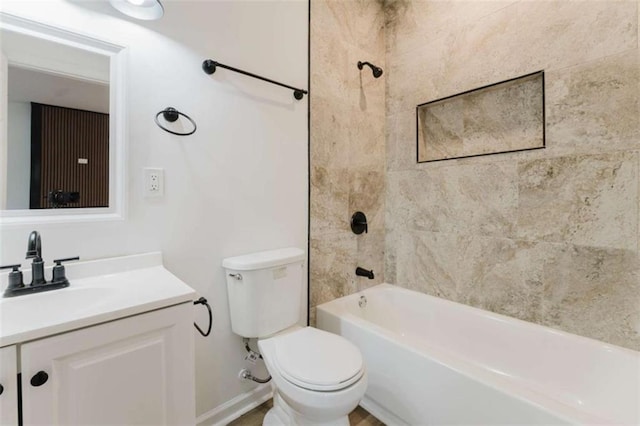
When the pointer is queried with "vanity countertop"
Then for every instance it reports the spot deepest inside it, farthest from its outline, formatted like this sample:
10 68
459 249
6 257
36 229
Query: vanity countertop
100 291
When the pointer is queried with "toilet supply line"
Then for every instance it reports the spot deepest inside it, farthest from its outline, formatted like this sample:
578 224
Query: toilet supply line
245 374
252 357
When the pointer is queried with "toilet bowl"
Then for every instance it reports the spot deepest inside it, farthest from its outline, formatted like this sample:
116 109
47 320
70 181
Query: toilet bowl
318 377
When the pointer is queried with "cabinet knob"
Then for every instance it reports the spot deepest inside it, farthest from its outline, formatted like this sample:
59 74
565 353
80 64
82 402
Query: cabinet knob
39 379
1 389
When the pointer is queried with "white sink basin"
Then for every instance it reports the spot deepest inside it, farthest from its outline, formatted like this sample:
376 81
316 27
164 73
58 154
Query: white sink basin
54 303
98 293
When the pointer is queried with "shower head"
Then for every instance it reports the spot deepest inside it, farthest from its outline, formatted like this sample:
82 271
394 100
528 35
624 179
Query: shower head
377 71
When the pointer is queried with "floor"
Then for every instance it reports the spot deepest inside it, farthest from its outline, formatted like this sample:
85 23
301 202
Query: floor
358 417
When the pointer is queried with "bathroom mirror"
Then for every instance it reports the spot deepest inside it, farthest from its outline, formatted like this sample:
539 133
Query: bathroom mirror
62 125
503 117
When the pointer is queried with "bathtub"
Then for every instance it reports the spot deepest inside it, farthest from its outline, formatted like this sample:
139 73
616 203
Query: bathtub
435 362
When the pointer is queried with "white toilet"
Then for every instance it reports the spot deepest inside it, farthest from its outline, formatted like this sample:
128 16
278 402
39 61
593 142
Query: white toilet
318 378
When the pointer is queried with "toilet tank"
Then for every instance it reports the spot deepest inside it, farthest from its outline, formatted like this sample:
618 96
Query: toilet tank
265 291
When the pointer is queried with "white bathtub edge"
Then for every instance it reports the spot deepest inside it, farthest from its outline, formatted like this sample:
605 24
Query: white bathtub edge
336 312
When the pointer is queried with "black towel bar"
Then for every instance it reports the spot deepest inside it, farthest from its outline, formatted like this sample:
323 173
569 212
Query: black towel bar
209 66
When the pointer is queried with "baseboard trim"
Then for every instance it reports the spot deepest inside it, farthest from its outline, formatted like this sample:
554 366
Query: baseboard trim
234 408
381 413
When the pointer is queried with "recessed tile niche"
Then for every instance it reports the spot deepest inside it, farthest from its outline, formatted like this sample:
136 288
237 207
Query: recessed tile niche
503 117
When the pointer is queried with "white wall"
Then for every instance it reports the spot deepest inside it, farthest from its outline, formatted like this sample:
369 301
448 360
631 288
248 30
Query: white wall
239 184
3 129
19 152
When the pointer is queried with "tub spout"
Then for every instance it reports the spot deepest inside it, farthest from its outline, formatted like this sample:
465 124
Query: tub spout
361 272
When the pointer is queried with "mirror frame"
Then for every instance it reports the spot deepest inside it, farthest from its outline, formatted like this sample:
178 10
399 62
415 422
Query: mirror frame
117 128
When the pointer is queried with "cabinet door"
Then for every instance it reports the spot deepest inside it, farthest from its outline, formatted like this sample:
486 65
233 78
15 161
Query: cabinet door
133 371
9 383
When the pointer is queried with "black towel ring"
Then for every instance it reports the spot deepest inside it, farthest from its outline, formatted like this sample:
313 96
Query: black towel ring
203 301
171 114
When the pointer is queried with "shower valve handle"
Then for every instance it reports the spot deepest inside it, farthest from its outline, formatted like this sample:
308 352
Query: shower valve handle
359 223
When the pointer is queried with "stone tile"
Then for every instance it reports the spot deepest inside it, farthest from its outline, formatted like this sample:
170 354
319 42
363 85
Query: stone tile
355 30
482 272
329 126
561 33
401 151
595 107
390 259
347 141
359 23
455 267
366 194
594 293
411 23
534 35
481 199
572 288
329 59
329 201
584 200
332 267
486 52
490 49
365 138
412 81
371 255
345 136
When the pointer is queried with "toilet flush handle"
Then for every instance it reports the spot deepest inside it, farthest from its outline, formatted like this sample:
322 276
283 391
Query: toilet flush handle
236 276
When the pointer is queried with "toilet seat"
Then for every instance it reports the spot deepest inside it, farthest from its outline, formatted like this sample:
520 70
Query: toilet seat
317 360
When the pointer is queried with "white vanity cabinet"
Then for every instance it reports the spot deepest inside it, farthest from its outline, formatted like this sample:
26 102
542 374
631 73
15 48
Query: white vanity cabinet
114 348
137 370
9 383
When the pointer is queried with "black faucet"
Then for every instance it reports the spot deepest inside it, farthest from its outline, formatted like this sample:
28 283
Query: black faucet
15 285
34 251
361 272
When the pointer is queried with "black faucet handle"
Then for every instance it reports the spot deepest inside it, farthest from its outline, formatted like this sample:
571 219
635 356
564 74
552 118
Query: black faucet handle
59 274
15 276
66 259
359 223
14 267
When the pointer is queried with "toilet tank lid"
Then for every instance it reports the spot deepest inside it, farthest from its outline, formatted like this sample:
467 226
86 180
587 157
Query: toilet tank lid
264 259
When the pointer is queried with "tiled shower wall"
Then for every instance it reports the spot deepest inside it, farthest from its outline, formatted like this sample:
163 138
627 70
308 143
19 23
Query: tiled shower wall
347 146
548 236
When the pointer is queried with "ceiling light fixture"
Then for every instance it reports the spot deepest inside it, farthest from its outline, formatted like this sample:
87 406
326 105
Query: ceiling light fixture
147 10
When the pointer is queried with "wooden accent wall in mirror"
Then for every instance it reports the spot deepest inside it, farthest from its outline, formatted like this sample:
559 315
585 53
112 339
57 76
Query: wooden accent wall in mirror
69 158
